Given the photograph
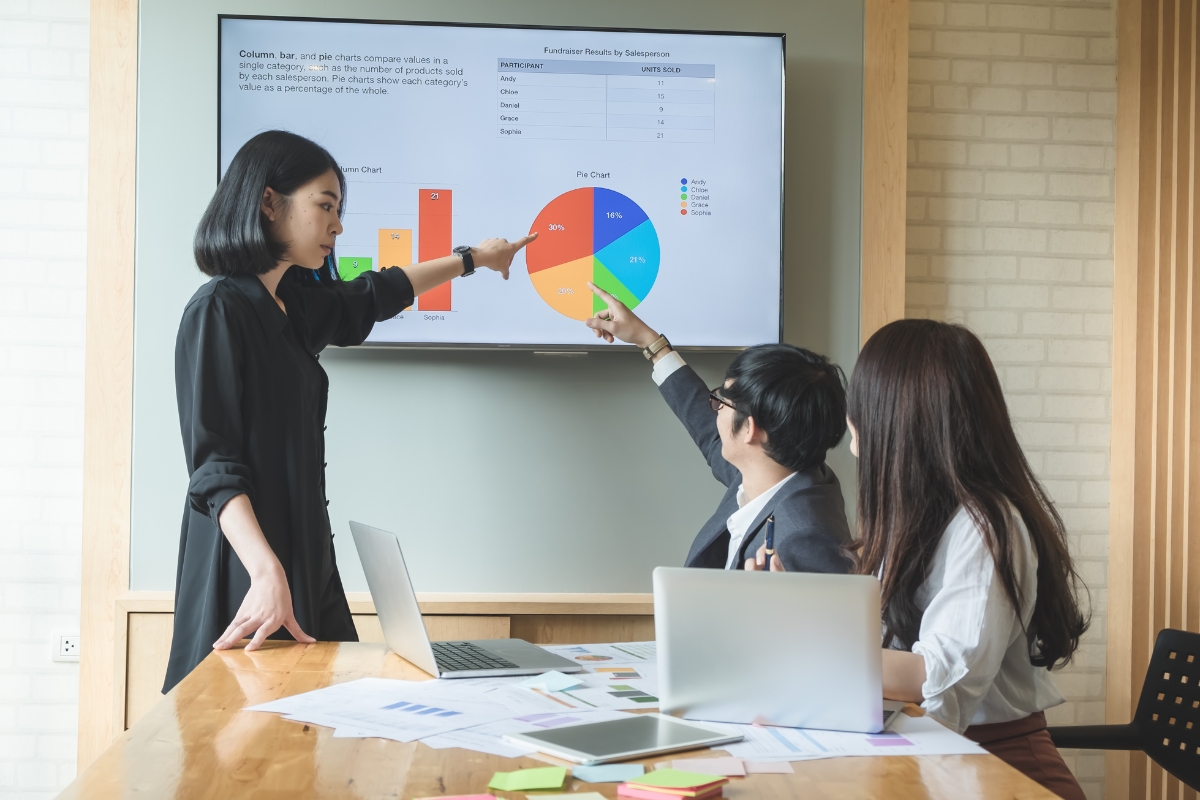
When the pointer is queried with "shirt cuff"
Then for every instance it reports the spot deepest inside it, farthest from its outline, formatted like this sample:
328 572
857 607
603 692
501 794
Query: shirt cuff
941 678
666 366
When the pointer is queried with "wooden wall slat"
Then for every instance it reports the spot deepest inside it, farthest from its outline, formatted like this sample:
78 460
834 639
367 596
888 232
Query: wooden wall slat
108 369
885 163
1154 557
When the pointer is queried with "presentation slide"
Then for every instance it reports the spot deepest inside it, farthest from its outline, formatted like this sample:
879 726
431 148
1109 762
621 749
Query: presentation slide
650 164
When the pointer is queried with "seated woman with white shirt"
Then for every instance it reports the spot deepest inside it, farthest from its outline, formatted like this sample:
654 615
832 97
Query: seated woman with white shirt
978 591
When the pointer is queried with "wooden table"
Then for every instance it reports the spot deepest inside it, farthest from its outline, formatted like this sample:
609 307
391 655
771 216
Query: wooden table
198 743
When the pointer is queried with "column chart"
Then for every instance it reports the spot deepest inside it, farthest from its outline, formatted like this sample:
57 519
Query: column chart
606 100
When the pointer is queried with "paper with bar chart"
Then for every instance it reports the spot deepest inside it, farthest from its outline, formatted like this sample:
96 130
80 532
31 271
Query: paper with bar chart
649 166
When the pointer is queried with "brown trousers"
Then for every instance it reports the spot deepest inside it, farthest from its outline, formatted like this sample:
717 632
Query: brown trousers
1025 745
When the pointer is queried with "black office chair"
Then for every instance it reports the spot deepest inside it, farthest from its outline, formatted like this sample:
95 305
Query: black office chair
1166 725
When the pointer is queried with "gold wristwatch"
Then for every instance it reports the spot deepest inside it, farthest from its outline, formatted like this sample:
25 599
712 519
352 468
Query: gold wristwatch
657 346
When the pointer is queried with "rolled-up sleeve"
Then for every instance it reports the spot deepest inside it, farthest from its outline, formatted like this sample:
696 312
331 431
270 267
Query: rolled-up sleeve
208 387
344 313
966 629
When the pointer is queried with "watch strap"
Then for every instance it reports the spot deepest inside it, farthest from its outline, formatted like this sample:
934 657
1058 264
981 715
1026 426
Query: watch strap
655 347
464 252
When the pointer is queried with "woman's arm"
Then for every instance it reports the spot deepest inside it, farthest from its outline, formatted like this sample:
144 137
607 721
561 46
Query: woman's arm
267 607
903 676
493 254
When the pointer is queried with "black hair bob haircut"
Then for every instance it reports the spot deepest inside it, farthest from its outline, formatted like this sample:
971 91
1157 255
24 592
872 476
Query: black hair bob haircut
233 237
795 395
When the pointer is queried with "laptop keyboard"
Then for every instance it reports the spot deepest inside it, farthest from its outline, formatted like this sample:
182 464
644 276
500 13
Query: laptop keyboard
459 656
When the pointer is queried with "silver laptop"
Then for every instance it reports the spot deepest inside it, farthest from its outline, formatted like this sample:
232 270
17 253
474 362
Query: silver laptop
795 649
404 630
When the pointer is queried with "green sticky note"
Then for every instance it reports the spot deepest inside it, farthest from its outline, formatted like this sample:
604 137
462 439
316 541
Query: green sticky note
675 779
525 779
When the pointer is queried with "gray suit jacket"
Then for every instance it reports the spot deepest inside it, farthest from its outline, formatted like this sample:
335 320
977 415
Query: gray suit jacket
810 514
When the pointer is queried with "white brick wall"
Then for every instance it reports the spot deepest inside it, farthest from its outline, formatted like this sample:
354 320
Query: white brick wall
43 178
1010 207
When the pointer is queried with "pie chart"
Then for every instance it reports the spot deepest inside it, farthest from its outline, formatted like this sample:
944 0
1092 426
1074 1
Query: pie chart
592 234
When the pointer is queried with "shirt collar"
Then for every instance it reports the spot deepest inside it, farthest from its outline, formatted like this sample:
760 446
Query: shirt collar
743 518
269 313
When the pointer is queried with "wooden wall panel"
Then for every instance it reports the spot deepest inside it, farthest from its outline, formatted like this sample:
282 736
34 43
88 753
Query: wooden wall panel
149 643
108 369
1154 552
440 628
579 629
885 162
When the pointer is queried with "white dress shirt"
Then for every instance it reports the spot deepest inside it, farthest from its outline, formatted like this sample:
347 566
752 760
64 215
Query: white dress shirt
739 522
976 652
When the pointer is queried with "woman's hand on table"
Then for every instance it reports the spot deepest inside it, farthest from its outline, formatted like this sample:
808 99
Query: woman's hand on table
266 608
759 562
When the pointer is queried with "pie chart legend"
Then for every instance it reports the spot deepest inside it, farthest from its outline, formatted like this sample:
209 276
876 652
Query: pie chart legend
592 234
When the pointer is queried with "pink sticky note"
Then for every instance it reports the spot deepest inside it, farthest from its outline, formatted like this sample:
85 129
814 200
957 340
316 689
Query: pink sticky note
754 767
711 766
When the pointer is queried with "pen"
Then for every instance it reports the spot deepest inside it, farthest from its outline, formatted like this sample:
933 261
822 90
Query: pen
770 542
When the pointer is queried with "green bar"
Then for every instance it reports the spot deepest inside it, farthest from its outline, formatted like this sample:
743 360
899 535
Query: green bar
350 267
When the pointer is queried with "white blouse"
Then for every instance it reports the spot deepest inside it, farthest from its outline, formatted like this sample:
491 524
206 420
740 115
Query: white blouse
973 641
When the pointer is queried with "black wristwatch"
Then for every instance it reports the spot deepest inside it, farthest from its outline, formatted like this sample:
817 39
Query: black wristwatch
464 252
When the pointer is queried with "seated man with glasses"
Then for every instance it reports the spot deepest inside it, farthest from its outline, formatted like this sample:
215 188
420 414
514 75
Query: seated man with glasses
765 433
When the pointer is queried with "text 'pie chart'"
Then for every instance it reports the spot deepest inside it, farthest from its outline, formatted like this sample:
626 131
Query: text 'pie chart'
592 234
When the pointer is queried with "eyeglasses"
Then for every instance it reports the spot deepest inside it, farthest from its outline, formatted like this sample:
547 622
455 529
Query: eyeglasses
715 401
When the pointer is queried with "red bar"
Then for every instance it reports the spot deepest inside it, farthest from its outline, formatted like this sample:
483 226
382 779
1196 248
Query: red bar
435 208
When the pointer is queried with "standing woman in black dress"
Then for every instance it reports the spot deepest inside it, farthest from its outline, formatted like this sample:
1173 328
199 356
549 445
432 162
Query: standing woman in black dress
256 552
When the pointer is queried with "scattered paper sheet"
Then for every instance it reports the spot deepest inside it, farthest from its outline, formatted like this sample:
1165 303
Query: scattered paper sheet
572 796
610 654
388 709
552 681
761 767
461 797
909 736
714 766
523 780
608 773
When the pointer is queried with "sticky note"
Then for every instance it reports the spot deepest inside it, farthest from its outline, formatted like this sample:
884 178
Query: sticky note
714 766
608 773
523 780
572 796
676 779
552 681
758 767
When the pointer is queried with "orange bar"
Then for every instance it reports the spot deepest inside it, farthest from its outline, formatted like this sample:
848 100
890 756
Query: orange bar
435 210
395 248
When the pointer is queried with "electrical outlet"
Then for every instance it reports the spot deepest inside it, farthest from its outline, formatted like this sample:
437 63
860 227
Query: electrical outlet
65 647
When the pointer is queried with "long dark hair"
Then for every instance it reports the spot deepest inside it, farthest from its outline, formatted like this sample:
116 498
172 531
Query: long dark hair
233 237
934 434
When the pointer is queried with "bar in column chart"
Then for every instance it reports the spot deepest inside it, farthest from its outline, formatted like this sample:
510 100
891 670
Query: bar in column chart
395 247
435 211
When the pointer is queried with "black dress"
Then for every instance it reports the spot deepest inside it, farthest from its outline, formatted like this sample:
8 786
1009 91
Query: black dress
252 402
